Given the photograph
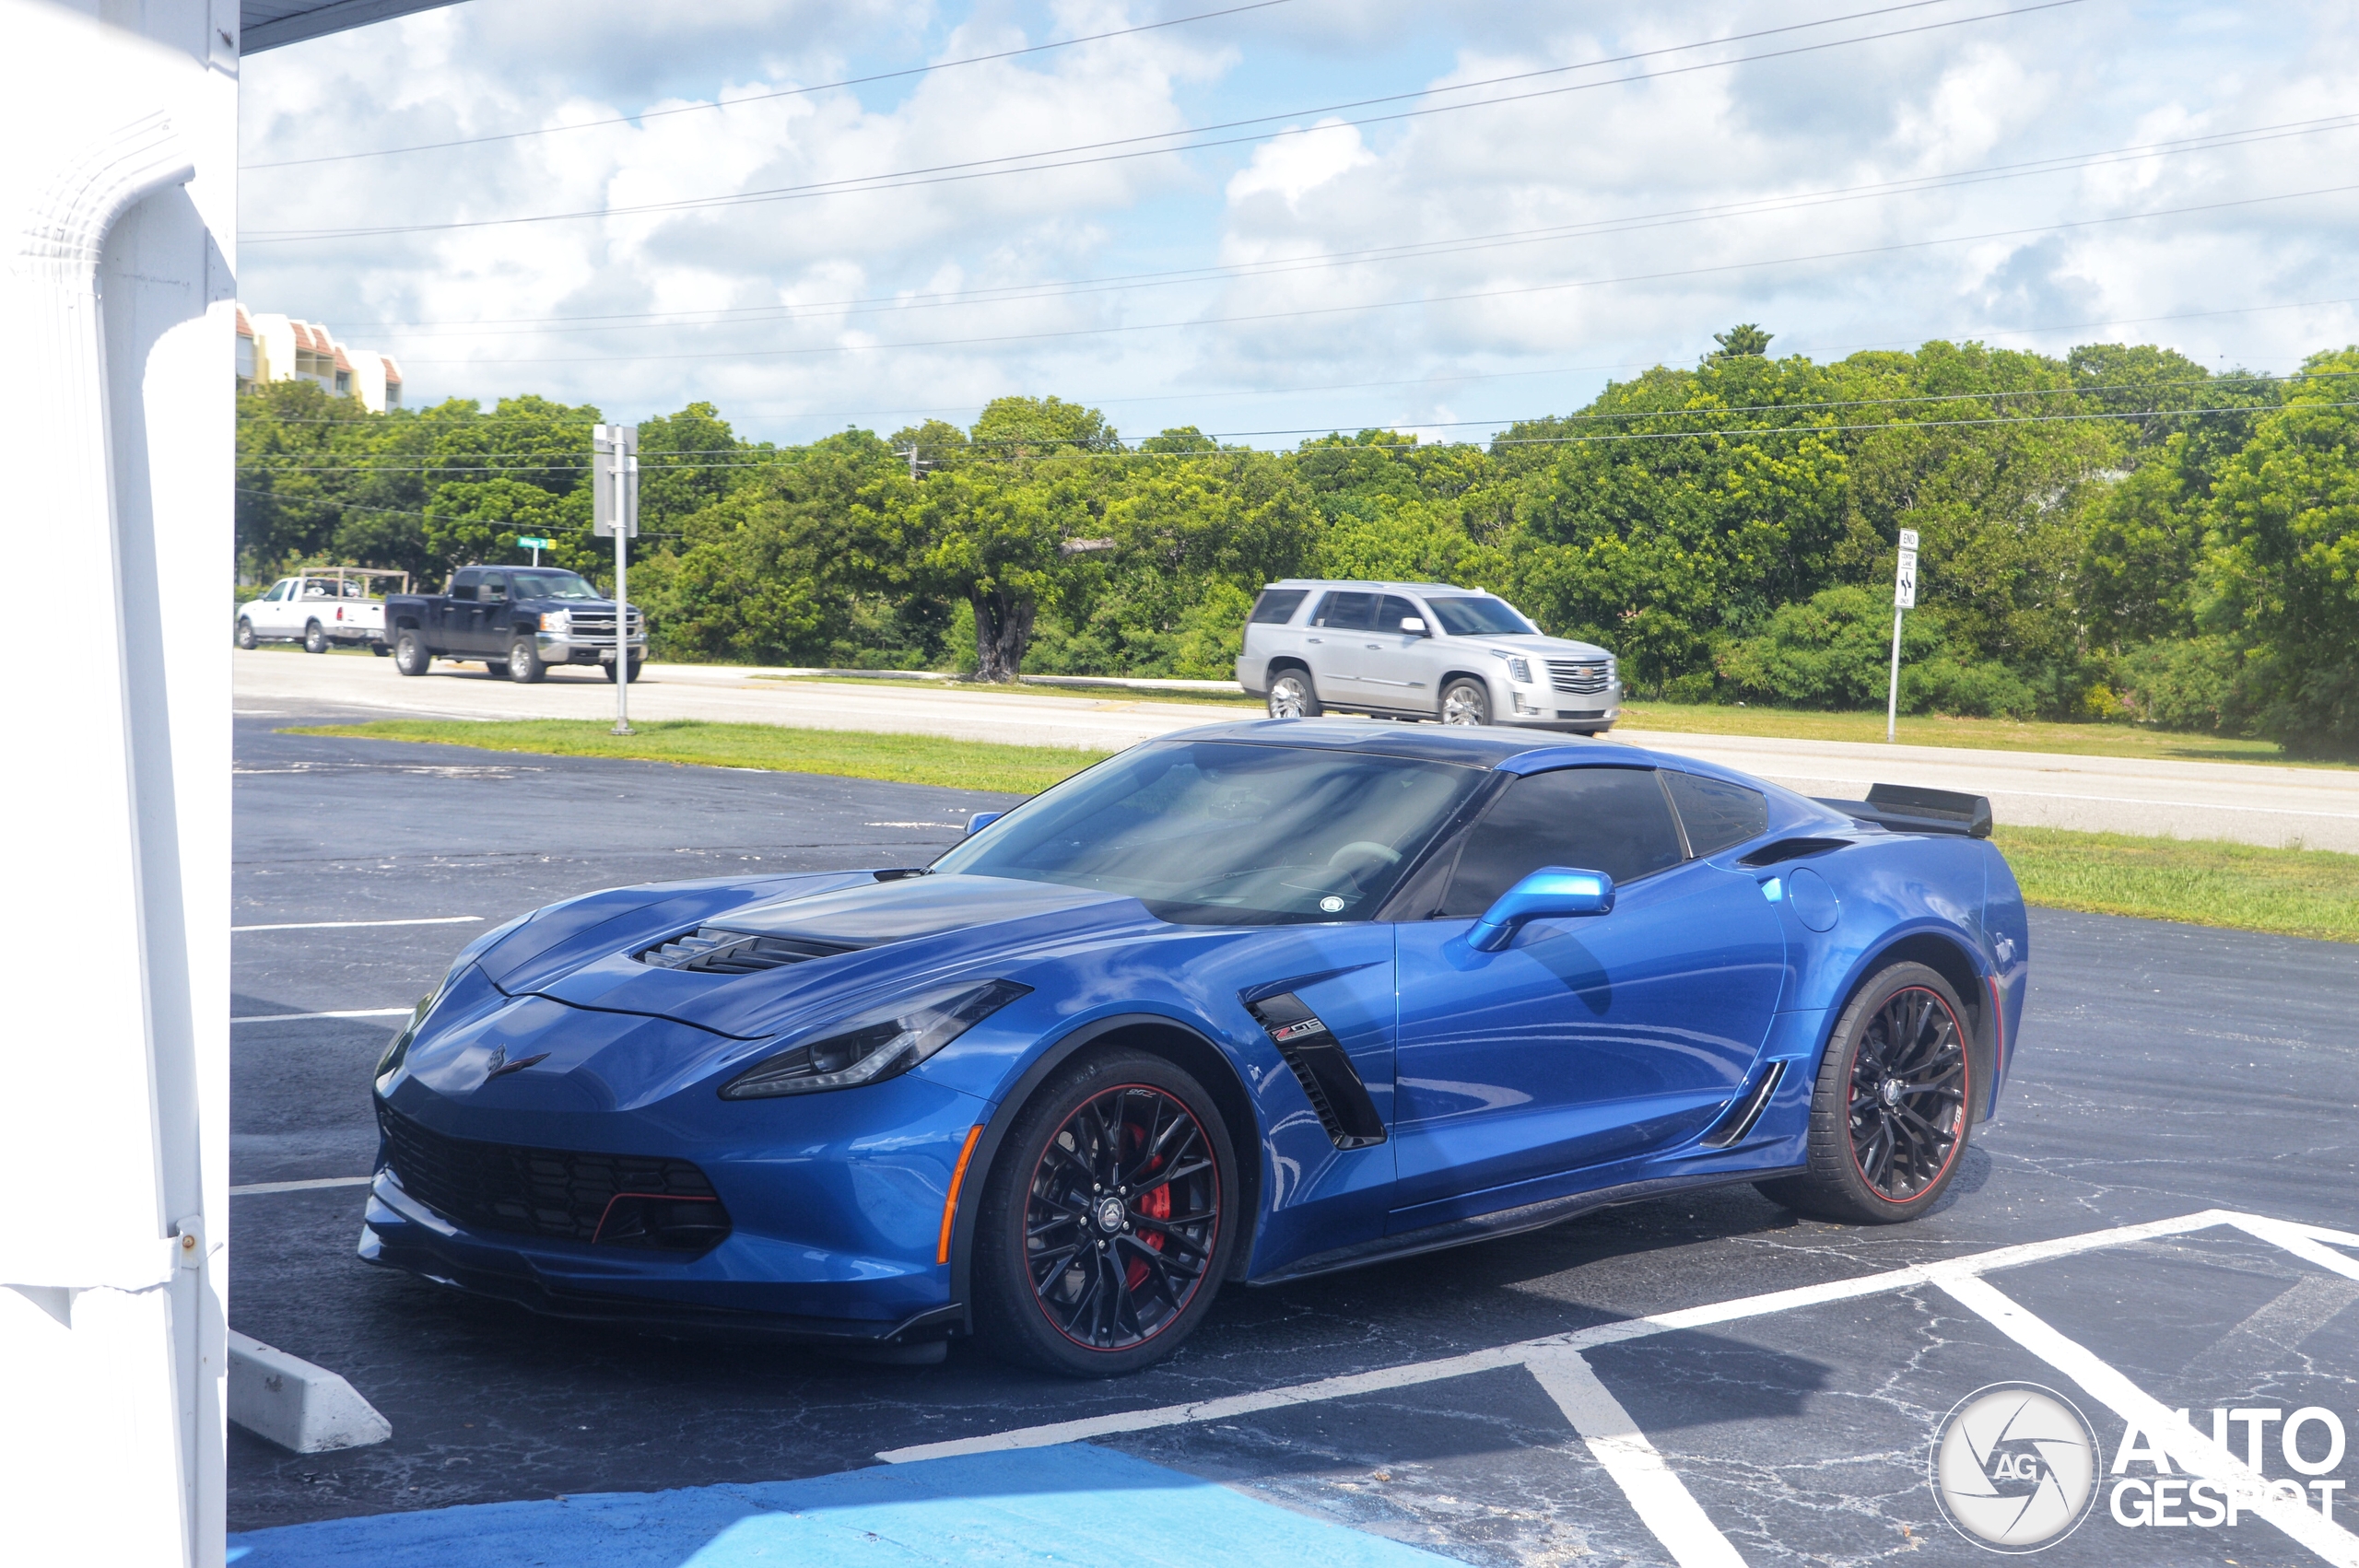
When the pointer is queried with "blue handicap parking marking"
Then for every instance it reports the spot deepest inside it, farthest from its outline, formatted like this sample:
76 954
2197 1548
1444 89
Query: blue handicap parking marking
1077 1507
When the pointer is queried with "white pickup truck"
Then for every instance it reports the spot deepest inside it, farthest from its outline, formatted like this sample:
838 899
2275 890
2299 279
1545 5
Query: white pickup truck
322 607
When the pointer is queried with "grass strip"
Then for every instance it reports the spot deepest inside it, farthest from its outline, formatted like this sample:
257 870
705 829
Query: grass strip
2306 893
2309 893
848 754
1933 729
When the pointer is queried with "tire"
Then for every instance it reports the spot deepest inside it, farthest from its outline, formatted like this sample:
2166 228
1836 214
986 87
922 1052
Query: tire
246 639
315 639
1465 702
634 670
1911 1137
1081 1318
409 653
1292 696
380 649
495 668
524 662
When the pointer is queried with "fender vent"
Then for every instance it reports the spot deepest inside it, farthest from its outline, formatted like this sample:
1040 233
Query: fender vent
1323 1069
1746 1111
1792 850
709 950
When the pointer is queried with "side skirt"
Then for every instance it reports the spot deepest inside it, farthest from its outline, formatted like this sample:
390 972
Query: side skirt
1505 1222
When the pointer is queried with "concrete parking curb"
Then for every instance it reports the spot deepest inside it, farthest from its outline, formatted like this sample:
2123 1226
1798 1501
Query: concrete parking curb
287 1400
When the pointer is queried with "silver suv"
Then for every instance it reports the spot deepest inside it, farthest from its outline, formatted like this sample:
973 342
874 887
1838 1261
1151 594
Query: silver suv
1420 650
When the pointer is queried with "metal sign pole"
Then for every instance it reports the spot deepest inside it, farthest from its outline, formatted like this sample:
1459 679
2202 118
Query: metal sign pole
1904 598
614 495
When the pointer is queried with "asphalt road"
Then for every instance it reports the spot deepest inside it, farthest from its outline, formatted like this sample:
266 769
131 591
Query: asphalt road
2163 1070
2250 803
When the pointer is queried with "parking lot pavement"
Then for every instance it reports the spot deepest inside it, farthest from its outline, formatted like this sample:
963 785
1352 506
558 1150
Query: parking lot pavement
2250 803
1492 1404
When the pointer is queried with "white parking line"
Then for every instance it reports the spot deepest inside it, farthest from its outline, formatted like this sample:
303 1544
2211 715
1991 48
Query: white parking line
253 1189
1662 1499
2187 1448
350 925
294 1017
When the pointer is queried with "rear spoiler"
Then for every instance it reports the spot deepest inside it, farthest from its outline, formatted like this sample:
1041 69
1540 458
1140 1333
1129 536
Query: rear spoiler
1904 808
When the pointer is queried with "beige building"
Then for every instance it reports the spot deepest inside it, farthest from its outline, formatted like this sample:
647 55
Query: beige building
281 348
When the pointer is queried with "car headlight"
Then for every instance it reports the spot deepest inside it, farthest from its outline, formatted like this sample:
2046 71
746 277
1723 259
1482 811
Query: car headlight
557 622
1518 667
417 1017
877 1043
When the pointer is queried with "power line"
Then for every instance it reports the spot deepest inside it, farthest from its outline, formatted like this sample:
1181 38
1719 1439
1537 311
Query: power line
646 114
979 168
1308 311
1025 293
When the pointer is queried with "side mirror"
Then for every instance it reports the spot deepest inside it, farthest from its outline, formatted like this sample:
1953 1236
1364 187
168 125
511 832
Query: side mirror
1552 893
1416 623
981 820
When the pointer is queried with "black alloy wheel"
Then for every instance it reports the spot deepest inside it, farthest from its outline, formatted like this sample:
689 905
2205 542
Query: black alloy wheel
1890 1113
409 653
246 639
1105 1227
315 639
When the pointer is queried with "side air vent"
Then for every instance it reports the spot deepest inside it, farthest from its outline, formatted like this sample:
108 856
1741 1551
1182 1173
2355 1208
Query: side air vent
1324 1070
710 950
1746 1111
1792 850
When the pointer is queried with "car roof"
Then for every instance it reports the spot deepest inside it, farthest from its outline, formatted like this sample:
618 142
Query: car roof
1360 585
1466 745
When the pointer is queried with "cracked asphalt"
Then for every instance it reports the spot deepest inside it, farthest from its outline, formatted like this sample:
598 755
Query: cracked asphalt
2161 1070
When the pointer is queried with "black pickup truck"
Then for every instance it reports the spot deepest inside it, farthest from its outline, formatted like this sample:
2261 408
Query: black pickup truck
517 620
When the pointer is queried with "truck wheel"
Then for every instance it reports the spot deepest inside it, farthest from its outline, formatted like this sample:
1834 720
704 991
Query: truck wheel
315 639
409 654
634 670
245 633
524 661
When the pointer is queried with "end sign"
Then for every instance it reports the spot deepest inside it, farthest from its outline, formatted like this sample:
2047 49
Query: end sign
1903 583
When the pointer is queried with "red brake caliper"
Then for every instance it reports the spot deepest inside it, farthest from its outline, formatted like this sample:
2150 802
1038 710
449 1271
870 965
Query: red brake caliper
1157 1205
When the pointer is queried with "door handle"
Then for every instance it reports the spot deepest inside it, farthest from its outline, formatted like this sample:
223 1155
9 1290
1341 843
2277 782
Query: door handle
1314 639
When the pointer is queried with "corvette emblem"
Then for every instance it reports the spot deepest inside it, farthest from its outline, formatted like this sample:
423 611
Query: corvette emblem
1109 1214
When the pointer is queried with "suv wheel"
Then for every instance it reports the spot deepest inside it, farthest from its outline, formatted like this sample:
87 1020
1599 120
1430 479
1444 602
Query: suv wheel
1465 702
1291 695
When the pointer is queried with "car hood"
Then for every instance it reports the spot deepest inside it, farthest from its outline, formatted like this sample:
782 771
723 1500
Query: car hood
1545 647
854 940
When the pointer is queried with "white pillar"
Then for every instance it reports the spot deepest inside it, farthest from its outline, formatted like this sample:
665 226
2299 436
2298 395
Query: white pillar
117 250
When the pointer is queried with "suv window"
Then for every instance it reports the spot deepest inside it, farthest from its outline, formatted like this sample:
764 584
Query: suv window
1613 819
1717 814
1347 613
1276 606
1394 611
463 585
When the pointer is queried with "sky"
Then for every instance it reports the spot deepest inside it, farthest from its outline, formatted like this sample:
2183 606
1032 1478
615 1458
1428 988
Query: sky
1288 216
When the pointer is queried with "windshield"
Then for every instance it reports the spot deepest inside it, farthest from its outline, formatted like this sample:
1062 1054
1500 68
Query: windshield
1214 833
1483 615
551 585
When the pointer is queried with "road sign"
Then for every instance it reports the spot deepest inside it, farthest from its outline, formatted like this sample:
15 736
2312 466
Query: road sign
1903 583
1908 539
613 493
532 544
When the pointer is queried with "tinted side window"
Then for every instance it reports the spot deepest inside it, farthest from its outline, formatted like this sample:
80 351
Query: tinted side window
1392 612
495 587
1276 606
462 585
1347 613
1602 819
1717 814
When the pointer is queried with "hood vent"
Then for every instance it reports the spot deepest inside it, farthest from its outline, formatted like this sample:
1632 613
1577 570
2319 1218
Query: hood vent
709 950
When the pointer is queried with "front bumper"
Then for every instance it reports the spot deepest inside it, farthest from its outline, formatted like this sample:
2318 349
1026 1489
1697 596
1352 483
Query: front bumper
558 650
834 1210
1543 708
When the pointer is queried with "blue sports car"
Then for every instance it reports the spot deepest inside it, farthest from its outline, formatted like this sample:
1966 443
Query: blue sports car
1244 1004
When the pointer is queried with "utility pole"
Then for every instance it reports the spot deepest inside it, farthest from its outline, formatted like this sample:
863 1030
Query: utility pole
614 482
1904 598
912 454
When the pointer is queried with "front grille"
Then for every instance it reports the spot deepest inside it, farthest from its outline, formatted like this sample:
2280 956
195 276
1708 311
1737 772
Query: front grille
556 1193
591 625
1580 677
710 950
